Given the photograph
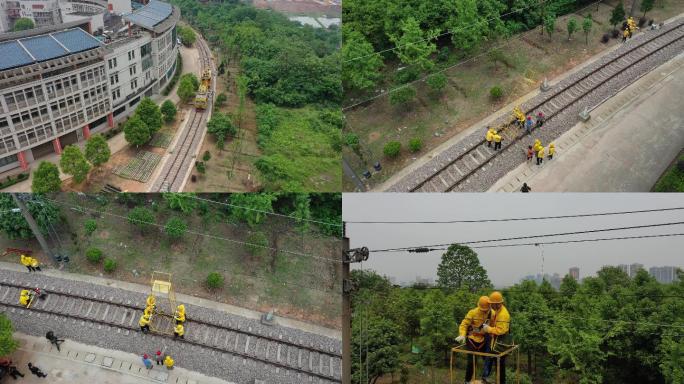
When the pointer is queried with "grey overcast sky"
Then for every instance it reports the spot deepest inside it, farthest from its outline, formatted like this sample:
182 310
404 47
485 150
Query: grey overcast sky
507 266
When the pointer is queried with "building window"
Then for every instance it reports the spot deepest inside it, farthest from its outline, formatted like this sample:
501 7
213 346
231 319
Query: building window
131 70
131 55
112 63
134 84
114 79
116 93
8 160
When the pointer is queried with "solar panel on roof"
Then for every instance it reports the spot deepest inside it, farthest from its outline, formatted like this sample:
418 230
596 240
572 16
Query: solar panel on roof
76 40
150 15
43 47
13 55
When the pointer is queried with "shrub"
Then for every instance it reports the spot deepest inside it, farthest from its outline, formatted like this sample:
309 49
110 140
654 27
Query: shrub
257 244
94 255
415 144
496 92
615 33
207 156
168 110
220 99
407 75
90 226
351 139
109 265
443 54
175 228
214 280
605 38
392 149
201 168
402 95
437 82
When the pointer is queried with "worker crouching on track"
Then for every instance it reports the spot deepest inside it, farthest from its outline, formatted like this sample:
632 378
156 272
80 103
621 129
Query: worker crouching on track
30 263
471 332
179 331
168 362
498 327
25 297
144 323
179 316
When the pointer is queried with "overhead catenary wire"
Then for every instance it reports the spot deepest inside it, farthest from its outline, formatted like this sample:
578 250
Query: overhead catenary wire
405 249
506 42
266 212
449 32
516 218
200 233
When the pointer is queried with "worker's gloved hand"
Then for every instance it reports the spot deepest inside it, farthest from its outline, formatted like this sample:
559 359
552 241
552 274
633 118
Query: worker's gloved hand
460 339
486 328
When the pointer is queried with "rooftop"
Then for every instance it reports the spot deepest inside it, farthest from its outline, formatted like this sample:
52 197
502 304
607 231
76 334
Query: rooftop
35 49
151 15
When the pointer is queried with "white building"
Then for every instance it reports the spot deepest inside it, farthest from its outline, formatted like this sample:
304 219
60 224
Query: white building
59 84
664 275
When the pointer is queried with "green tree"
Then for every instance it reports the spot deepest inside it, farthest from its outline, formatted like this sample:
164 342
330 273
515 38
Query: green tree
468 27
97 150
221 126
186 35
414 46
572 27
402 95
193 80
185 90
646 5
532 316
23 24
221 99
436 327
587 24
617 15
175 228
360 65
460 268
136 132
251 208
375 341
89 226
149 113
74 163
258 244
168 110
8 344
12 222
142 218
550 24
181 201
46 178
437 82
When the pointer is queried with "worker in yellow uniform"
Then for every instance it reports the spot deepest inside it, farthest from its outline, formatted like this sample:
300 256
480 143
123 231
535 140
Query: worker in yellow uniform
34 264
180 314
151 301
471 332
497 140
537 145
489 136
499 326
144 323
625 35
540 156
149 311
25 297
179 331
168 362
26 262
552 150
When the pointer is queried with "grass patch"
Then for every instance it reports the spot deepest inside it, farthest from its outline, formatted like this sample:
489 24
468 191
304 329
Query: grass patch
673 179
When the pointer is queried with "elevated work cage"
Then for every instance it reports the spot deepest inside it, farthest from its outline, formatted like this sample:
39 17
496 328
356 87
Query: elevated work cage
506 350
165 307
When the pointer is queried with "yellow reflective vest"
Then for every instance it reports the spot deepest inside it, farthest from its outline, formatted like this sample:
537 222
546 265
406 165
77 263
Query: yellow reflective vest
474 319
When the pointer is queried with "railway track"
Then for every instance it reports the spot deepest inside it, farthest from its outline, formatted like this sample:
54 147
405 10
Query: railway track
315 364
176 168
456 171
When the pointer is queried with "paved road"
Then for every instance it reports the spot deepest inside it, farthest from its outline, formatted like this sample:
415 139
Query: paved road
625 147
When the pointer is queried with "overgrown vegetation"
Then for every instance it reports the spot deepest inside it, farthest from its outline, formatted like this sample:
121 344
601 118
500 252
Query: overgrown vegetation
292 73
609 328
673 178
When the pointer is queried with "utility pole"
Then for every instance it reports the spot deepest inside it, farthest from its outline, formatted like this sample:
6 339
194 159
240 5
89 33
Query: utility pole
346 311
349 256
32 223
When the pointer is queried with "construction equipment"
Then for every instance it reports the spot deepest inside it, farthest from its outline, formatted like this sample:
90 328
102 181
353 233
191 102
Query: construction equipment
164 304
202 97
507 350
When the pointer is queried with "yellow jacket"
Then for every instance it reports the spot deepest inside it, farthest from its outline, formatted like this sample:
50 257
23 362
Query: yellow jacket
540 154
143 321
497 138
25 260
490 135
34 262
24 300
475 318
179 330
168 361
500 323
552 150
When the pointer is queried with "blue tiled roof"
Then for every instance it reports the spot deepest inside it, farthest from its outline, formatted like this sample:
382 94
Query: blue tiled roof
45 47
150 15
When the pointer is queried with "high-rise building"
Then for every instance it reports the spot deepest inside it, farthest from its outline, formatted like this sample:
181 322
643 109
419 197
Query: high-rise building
574 273
631 269
664 275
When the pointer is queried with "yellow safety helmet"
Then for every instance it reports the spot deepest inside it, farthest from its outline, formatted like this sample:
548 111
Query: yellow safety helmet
552 145
483 303
496 298
181 308
24 292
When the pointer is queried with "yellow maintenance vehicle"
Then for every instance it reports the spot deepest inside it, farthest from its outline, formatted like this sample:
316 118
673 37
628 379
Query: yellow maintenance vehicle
202 97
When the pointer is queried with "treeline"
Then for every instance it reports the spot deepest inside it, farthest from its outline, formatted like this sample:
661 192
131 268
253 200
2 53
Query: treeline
286 64
607 329
425 31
